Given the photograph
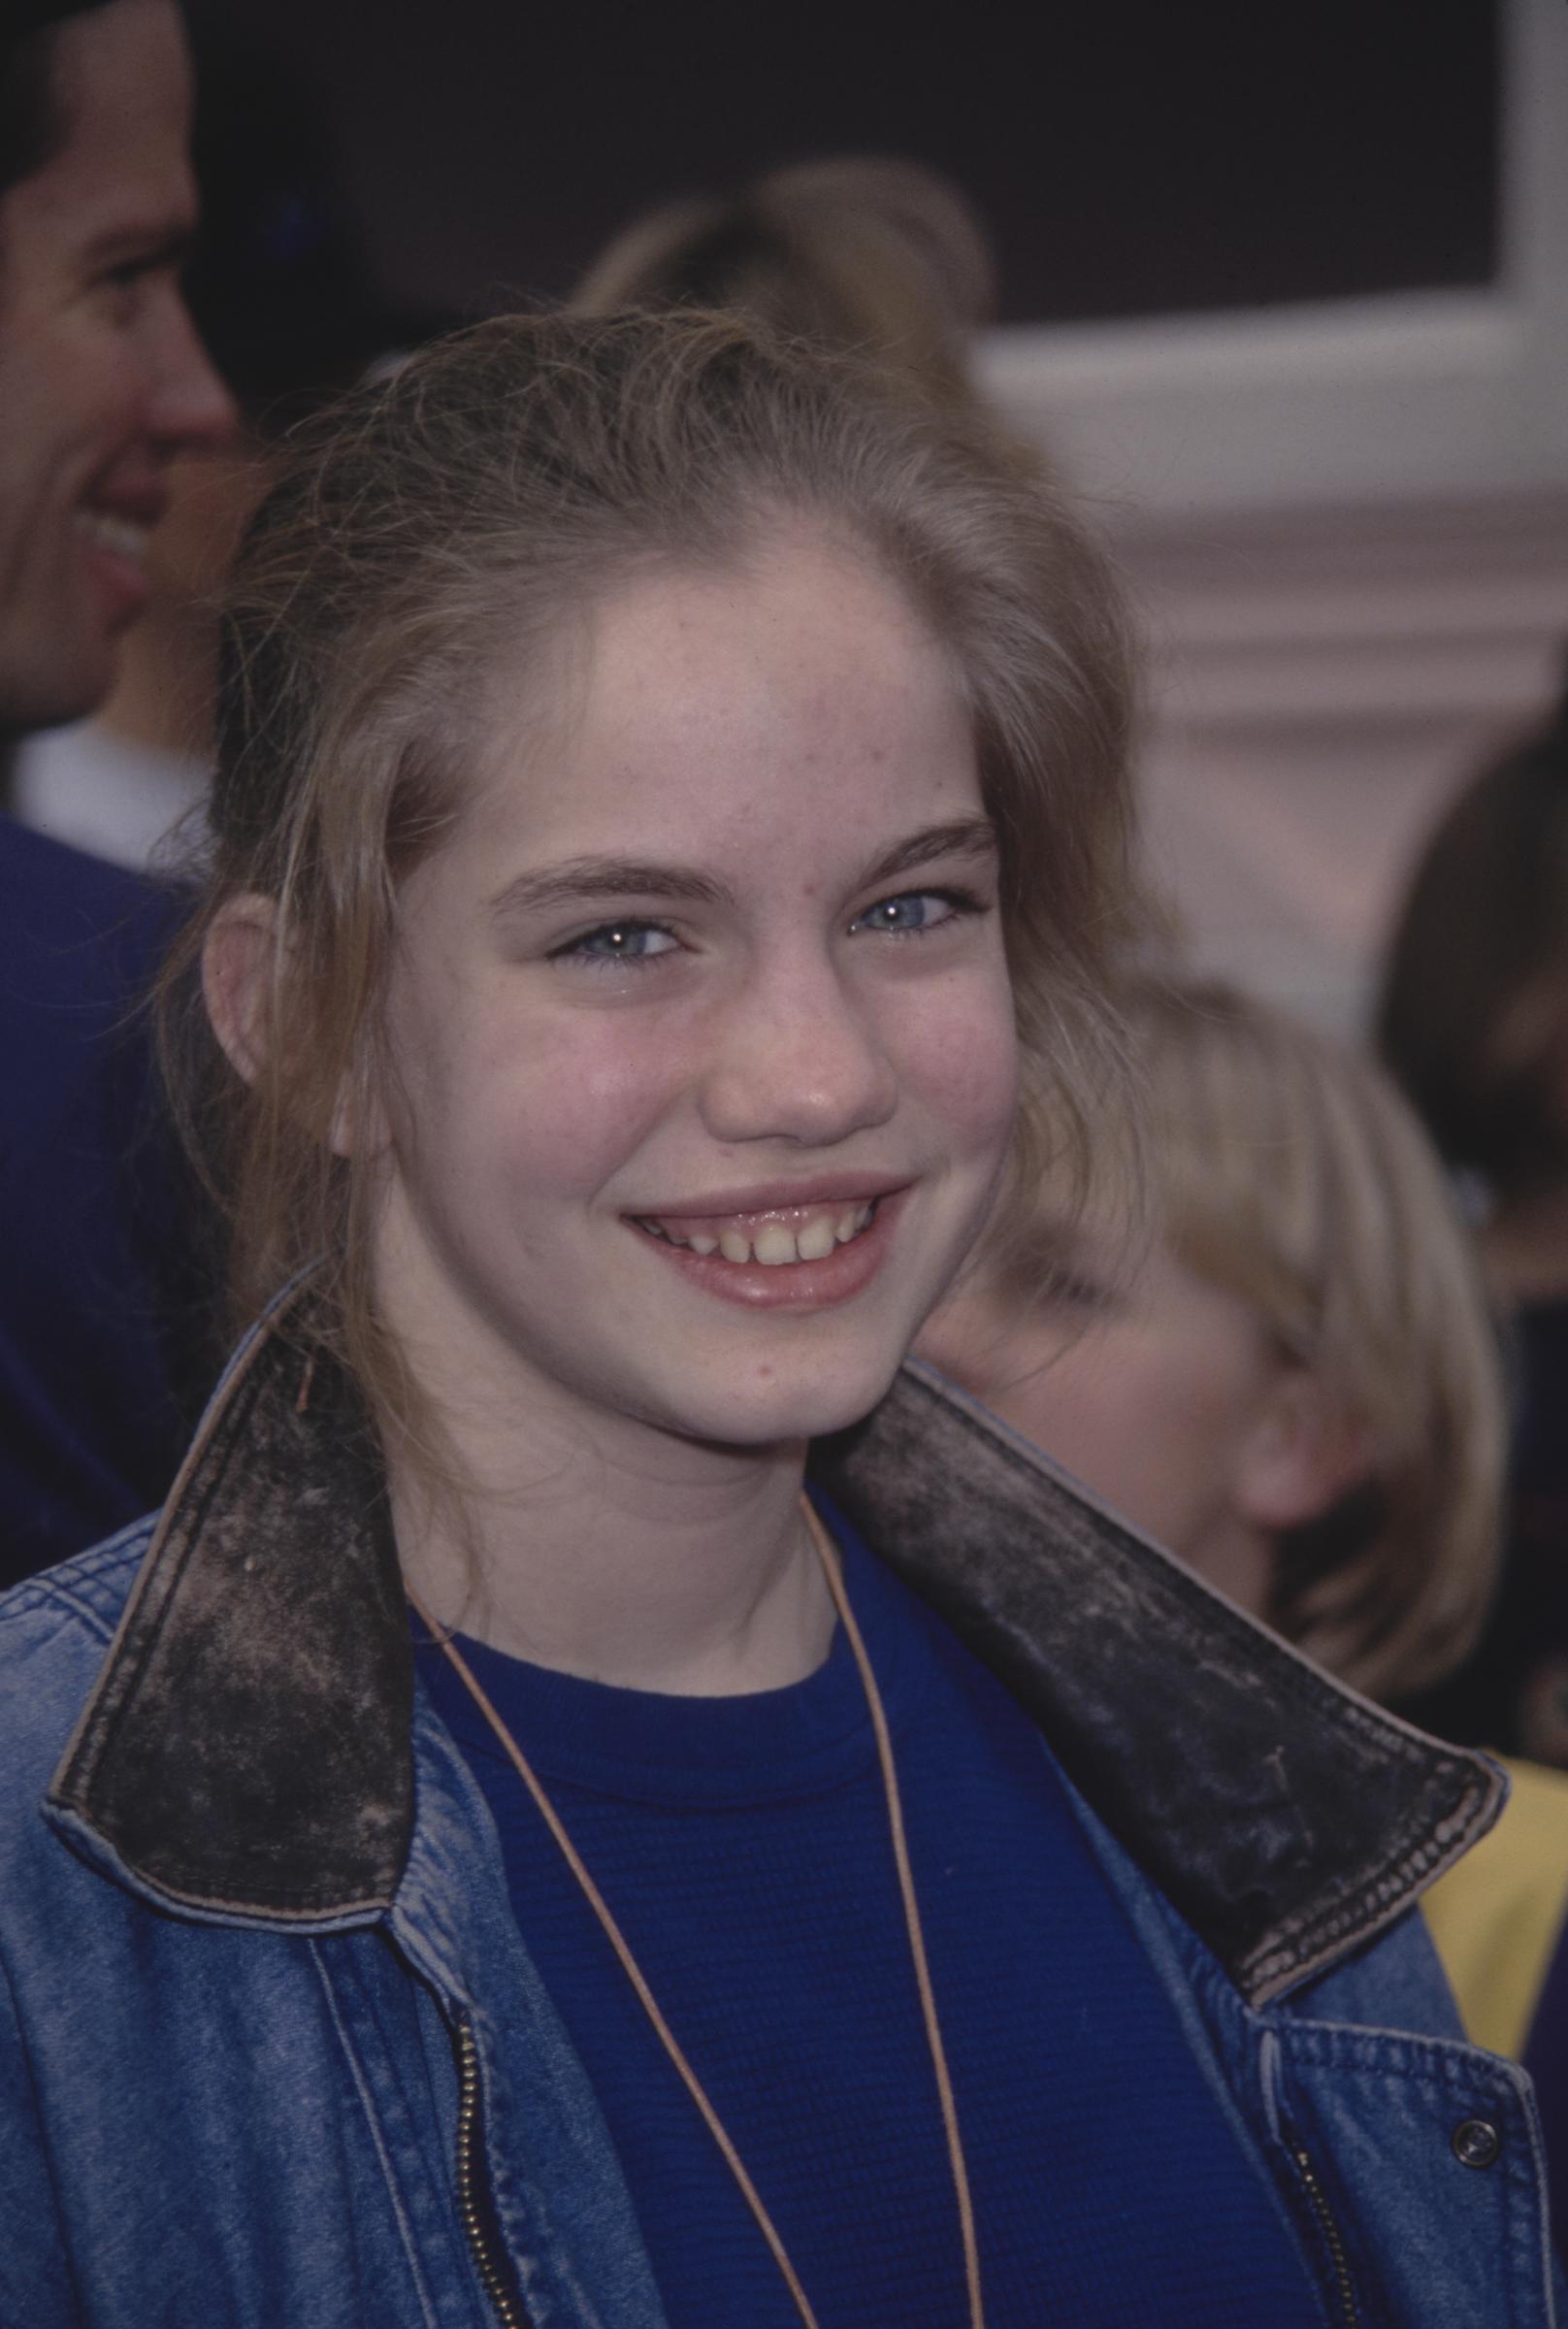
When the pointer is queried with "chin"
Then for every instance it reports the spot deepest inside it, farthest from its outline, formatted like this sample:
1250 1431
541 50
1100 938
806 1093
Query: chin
786 1405
48 685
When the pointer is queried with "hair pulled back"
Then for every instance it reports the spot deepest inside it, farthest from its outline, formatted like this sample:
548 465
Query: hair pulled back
437 529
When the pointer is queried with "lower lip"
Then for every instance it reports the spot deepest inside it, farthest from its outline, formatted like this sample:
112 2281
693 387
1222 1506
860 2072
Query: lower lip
123 581
790 1285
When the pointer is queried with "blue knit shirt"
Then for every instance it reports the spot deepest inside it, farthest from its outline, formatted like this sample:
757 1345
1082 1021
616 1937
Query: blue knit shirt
742 1844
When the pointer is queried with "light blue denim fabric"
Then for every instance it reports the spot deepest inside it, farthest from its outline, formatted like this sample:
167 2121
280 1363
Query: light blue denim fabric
1366 2071
209 2122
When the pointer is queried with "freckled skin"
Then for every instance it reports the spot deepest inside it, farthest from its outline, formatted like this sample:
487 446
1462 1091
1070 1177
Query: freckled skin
778 731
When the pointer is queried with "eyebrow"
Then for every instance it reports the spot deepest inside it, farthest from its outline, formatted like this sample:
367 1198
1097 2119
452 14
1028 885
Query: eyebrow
585 880
155 245
972 837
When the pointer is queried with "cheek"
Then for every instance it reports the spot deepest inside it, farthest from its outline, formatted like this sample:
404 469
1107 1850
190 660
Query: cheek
96 391
565 1103
1081 1410
957 1052
1152 1427
1119 1419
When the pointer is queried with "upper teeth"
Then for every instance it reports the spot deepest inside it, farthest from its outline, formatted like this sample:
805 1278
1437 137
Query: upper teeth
811 1237
122 535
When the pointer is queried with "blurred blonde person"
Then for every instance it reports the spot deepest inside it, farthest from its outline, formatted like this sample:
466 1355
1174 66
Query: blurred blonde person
1288 1375
880 257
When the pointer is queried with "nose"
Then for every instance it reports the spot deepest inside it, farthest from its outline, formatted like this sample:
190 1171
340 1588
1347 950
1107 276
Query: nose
796 1059
191 408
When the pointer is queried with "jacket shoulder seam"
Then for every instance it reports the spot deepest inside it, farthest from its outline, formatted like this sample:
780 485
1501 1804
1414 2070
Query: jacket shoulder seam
60 1589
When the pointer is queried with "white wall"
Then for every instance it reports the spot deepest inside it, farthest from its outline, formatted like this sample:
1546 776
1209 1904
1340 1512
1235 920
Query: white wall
1347 530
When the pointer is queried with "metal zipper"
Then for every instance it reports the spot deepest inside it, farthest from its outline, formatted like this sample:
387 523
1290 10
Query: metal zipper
1350 2311
468 2144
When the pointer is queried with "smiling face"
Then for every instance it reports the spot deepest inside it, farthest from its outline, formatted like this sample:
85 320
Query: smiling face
102 378
700 1028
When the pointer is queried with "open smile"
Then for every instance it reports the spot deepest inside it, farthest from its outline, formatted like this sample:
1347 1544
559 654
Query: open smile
112 544
121 536
810 1256
773 1238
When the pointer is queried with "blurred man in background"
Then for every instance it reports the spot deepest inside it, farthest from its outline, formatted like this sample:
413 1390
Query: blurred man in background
288 303
103 382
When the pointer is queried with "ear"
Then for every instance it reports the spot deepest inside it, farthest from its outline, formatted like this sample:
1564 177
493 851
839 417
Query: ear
239 962
239 967
1302 1453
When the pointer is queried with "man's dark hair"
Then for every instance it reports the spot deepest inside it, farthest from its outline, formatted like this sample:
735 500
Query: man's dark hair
30 125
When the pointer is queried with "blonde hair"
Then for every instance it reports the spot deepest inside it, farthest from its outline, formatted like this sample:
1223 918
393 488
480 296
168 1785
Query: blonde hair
880 257
453 518
1287 1170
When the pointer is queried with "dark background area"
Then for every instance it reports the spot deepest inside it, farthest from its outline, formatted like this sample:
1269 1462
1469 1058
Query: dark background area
1132 157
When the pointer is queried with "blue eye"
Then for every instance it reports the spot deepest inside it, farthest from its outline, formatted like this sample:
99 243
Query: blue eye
912 913
618 943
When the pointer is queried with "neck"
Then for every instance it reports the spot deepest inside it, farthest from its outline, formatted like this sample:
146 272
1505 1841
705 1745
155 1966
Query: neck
634 1558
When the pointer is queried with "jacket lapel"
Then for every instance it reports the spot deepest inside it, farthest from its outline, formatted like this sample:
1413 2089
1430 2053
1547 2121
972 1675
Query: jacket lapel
246 1751
1287 1818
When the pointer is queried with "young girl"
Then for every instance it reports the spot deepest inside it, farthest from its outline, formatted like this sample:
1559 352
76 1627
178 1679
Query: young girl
488 1851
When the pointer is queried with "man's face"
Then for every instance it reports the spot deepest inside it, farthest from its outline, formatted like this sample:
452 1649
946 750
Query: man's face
102 378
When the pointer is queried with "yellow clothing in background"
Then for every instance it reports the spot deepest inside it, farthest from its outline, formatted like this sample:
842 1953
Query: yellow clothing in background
1496 1916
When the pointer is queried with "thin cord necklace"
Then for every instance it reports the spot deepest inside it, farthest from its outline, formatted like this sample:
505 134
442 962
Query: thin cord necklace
828 1559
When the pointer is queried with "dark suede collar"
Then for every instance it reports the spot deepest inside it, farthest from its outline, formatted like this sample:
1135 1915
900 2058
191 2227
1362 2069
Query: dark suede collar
246 1750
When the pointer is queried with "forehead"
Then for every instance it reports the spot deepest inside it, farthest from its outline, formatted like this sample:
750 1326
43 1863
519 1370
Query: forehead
122 91
684 686
799 607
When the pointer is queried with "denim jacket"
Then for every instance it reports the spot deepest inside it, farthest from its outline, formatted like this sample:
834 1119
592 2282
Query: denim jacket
272 2049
